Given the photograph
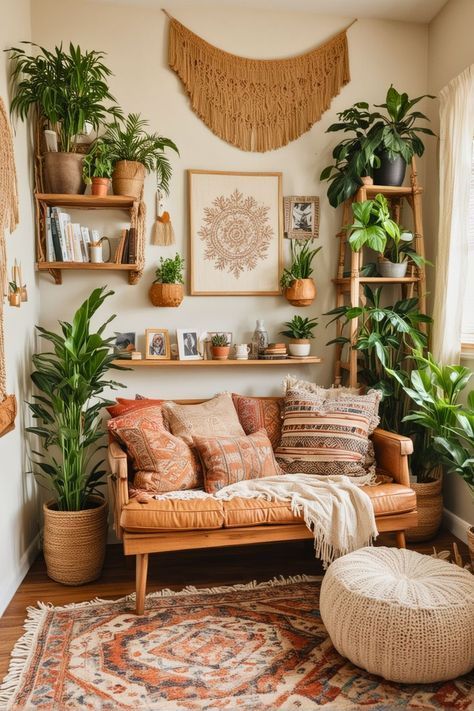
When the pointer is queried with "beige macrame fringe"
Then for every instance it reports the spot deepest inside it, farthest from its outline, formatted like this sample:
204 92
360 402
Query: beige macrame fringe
257 105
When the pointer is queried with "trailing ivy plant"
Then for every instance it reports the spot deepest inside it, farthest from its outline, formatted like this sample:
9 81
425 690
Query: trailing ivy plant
71 379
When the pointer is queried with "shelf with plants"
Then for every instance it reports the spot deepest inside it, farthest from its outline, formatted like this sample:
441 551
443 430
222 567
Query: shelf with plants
285 362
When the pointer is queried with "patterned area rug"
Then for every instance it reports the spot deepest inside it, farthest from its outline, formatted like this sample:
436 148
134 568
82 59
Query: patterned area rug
247 647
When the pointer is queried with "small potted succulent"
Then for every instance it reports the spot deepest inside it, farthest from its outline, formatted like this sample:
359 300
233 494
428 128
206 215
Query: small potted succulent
97 169
220 346
300 331
296 282
167 289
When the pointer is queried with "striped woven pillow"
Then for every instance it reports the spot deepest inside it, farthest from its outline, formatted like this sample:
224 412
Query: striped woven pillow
323 437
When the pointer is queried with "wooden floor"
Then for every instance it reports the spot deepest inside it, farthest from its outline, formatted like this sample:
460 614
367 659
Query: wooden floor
202 568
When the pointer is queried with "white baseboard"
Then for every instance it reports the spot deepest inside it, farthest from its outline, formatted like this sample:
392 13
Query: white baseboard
458 526
10 586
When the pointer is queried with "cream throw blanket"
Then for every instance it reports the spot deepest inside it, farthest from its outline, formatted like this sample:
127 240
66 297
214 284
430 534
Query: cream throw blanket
338 512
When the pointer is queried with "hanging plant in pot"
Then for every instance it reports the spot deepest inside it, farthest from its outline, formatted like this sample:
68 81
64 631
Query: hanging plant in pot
81 99
300 332
167 289
97 169
134 153
71 379
296 282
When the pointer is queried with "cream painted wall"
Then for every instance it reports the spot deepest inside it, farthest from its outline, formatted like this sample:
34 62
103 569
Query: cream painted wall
19 519
135 39
450 51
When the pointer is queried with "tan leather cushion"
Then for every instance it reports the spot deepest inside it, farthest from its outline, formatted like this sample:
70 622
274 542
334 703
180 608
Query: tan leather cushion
391 498
168 515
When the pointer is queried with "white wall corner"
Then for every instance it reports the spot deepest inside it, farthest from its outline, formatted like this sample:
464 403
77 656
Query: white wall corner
458 526
12 582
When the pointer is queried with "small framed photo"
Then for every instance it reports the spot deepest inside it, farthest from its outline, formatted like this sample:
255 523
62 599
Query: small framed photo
301 216
208 345
157 344
124 344
188 344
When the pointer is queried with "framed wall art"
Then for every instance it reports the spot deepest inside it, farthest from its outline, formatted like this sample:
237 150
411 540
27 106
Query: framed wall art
157 344
236 231
301 216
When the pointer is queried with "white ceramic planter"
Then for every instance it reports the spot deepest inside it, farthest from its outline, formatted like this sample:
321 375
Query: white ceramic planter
392 269
299 347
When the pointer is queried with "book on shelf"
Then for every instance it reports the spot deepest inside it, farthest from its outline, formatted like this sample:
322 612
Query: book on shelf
126 248
120 248
132 245
85 242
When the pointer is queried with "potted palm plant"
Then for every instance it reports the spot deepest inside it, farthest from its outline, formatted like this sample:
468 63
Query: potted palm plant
71 379
300 331
97 169
69 92
135 152
167 289
296 282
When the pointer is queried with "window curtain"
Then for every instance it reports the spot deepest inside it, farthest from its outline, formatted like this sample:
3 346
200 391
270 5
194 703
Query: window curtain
456 135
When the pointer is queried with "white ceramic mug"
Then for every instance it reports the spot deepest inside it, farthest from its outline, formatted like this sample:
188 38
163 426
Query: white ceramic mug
242 351
96 251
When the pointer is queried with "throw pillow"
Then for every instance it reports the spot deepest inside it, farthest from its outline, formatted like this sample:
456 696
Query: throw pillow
227 460
124 405
162 462
323 438
260 414
213 418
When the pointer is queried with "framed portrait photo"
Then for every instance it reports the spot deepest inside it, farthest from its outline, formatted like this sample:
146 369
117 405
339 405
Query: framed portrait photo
301 216
157 344
124 344
188 344
236 230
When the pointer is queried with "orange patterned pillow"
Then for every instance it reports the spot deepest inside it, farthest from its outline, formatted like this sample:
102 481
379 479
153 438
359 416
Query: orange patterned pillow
162 461
227 460
260 414
124 405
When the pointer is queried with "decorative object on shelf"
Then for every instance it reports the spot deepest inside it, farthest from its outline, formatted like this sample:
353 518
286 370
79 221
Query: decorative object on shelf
300 331
124 345
71 380
398 253
162 231
275 351
134 153
259 340
220 346
157 342
167 289
235 227
293 92
14 294
188 341
96 250
81 99
136 355
296 282
242 351
301 216
205 342
97 168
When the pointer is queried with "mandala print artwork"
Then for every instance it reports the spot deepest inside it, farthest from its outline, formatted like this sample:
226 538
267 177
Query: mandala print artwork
236 226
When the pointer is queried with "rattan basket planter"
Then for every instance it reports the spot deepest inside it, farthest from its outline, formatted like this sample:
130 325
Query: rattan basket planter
128 178
74 542
166 294
429 501
302 292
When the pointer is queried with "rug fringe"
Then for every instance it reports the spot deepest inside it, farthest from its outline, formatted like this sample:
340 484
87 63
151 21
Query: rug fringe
21 653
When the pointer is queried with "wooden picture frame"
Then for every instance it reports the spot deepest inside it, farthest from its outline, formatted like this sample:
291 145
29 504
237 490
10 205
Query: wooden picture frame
157 348
188 343
235 232
301 222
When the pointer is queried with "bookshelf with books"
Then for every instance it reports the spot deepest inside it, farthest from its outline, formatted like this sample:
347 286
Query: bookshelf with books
63 241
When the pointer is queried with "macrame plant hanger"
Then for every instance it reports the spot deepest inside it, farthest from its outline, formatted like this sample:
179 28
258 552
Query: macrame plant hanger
9 218
163 232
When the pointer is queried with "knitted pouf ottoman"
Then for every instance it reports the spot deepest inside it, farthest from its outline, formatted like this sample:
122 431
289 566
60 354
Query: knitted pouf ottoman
399 614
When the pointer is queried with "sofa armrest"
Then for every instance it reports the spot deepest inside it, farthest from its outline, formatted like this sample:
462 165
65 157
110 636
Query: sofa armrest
118 482
391 454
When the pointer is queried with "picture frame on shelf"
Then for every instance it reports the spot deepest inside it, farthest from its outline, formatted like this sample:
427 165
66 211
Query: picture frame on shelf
236 230
124 344
188 344
301 216
157 344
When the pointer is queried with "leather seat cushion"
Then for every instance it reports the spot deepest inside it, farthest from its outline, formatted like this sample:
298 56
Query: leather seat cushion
171 515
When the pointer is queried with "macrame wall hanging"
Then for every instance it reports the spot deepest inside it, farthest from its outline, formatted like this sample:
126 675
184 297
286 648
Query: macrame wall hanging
257 104
9 218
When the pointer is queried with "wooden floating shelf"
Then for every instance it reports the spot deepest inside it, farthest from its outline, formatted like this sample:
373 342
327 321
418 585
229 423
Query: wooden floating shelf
121 202
104 266
378 280
286 362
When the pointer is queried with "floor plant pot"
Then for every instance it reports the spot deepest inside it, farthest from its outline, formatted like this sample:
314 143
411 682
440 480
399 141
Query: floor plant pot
74 542
166 294
393 270
429 500
470 543
128 178
301 292
63 173
100 187
220 352
299 347
390 172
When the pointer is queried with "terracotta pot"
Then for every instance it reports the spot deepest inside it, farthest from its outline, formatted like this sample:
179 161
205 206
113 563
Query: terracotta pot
470 543
63 173
74 542
392 269
429 500
299 347
166 294
220 352
302 292
128 178
100 187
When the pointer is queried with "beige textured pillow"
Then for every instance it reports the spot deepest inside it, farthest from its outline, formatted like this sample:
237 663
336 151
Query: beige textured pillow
214 418
292 383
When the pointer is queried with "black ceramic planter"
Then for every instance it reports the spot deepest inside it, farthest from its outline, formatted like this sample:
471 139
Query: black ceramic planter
391 172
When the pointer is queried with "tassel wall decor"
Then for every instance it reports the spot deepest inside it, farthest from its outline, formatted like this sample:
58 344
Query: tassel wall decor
163 233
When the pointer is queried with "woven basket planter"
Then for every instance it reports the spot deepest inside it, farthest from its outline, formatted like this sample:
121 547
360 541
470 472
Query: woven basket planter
166 294
74 542
302 292
429 500
128 178
470 543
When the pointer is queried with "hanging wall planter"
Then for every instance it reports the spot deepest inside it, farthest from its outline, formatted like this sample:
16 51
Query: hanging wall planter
166 294
301 292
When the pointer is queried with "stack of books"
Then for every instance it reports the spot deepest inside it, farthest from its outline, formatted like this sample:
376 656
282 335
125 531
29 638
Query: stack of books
275 351
127 248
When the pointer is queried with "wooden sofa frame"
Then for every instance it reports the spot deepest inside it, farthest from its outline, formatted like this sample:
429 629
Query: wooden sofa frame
391 452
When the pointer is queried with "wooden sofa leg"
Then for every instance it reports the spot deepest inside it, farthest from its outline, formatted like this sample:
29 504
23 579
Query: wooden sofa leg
401 542
140 584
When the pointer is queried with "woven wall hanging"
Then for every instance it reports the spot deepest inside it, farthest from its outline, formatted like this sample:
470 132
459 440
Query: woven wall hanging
257 104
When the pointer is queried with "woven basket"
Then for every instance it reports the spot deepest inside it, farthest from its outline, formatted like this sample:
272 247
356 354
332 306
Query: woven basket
74 542
429 500
166 294
470 543
128 178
